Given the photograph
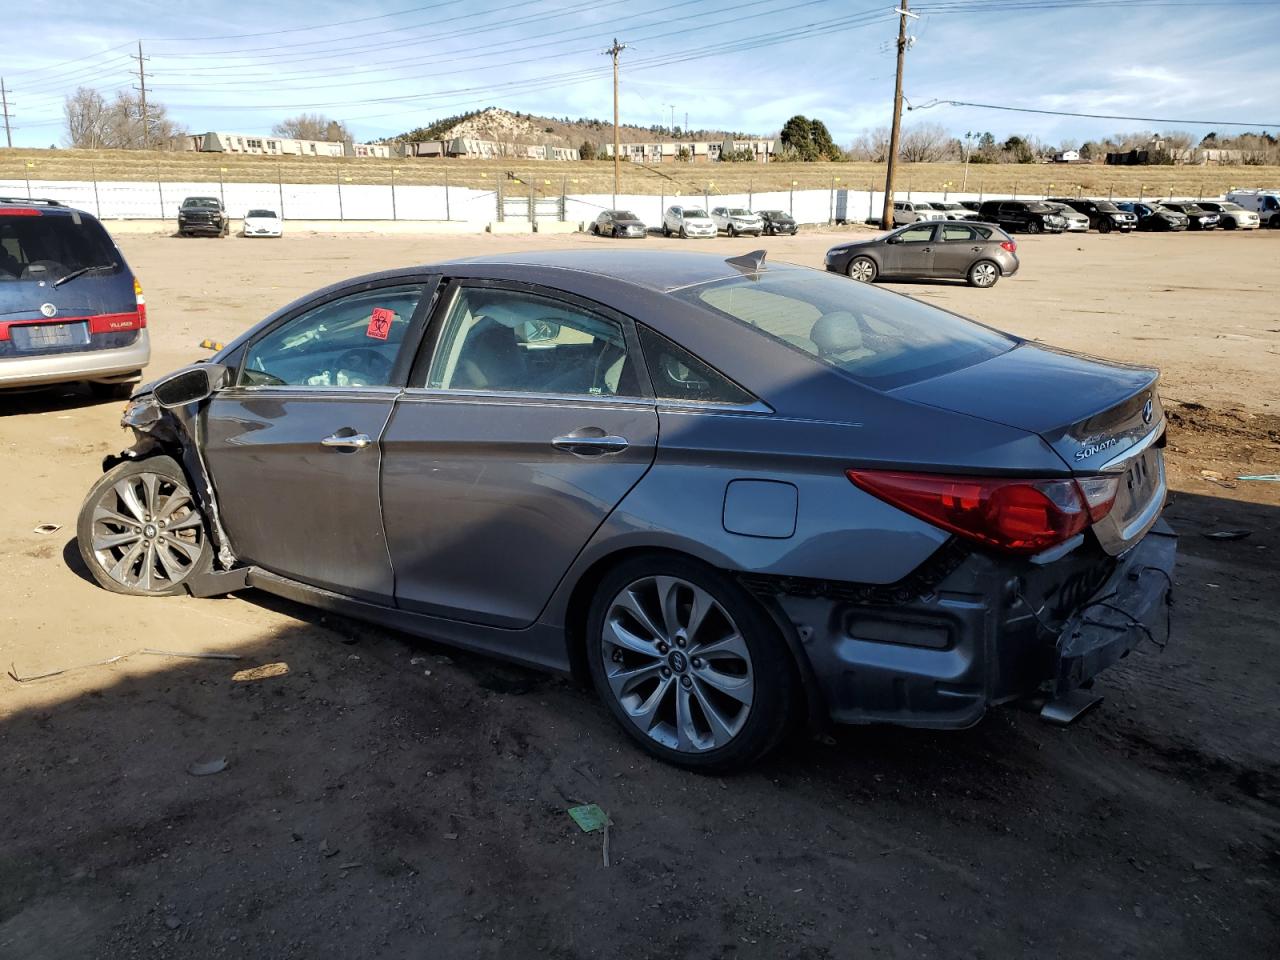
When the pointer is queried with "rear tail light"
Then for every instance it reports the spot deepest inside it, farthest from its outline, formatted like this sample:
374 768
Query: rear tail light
1009 245
141 301
1011 514
19 212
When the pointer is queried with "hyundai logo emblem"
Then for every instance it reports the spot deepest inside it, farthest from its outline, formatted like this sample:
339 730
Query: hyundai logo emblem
1147 411
48 310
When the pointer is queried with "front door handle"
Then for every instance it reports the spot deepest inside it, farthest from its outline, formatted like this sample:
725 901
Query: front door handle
595 443
354 441
927 250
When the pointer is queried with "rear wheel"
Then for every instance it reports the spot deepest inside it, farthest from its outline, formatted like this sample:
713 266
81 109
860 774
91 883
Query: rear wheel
862 269
140 530
983 274
689 664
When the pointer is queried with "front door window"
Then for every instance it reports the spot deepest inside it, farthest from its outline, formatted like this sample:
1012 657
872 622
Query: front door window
349 342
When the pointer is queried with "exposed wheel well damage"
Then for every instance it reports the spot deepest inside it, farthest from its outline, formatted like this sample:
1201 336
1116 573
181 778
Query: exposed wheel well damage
809 700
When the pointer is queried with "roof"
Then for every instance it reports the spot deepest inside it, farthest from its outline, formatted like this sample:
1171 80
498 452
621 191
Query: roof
660 270
46 207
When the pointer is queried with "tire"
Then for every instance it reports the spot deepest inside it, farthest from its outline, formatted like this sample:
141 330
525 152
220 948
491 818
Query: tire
862 269
665 231
1104 226
1033 226
128 501
1229 223
684 234
753 693
984 274
113 391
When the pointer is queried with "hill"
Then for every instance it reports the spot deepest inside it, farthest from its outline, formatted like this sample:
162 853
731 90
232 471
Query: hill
494 123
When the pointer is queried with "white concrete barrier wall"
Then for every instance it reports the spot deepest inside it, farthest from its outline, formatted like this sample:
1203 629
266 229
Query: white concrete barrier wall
126 200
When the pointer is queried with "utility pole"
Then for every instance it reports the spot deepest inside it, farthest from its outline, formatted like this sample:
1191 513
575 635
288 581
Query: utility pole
4 108
886 217
142 88
613 51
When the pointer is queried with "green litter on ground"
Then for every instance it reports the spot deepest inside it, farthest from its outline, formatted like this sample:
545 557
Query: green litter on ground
589 817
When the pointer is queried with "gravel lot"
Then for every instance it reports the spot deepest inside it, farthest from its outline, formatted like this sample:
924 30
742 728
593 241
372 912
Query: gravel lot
392 798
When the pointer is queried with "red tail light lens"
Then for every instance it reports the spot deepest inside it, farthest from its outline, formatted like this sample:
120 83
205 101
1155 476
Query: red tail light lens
1009 245
19 212
141 301
1015 515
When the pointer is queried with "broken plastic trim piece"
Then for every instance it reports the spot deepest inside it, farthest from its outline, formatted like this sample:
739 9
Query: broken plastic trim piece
1070 707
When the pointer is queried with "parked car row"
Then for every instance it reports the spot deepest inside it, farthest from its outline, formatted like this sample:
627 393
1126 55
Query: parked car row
207 216
695 222
1241 210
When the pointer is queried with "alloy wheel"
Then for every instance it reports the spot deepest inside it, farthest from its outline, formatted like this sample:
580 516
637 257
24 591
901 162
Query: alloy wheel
677 664
862 270
147 533
984 274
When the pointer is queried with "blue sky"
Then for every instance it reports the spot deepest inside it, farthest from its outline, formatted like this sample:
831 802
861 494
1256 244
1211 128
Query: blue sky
242 66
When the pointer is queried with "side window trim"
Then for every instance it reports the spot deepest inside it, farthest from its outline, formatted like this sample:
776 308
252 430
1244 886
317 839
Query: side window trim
430 284
448 292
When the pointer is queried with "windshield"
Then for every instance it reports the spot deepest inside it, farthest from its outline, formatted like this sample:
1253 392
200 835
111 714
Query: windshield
52 247
1040 208
691 212
1106 206
739 212
200 202
881 339
623 215
772 213
1228 206
265 214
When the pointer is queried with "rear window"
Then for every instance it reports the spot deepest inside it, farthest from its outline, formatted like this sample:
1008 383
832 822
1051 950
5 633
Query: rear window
879 338
51 246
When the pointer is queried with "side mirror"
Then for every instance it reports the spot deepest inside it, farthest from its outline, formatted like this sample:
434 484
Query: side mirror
189 385
896 238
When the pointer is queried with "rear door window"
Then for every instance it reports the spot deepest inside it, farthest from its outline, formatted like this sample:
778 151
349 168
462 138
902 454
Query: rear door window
879 338
49 247
956 232
679 375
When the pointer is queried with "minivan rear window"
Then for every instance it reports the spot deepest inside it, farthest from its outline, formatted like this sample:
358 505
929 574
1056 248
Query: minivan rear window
881 339
49 247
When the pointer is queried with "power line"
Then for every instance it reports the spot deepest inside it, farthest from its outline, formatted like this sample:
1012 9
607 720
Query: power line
318 26
498 47
1092 116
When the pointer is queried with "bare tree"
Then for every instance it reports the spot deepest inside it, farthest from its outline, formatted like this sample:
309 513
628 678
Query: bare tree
312 126
95 123
925 143
870 145
85 112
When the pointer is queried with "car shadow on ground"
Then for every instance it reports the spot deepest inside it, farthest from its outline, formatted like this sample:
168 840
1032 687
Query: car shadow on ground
388 789
53 399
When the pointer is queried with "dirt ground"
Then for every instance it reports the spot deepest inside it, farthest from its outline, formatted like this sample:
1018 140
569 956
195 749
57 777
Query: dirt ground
392 798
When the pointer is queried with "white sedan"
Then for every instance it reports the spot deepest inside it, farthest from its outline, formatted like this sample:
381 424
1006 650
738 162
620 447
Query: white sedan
263 223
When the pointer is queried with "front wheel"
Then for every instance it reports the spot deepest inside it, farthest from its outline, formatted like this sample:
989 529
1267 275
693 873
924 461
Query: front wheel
1033 226
689 664
684 234
983 274
733 231
140 530
862 269
1104 226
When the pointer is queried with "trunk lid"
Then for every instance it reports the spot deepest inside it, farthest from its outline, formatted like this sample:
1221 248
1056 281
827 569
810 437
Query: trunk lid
1098 416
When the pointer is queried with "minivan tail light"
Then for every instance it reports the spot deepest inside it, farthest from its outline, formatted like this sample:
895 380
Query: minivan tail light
1009 245
1011 514
141 301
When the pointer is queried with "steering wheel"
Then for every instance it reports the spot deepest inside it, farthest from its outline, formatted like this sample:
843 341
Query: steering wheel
365 362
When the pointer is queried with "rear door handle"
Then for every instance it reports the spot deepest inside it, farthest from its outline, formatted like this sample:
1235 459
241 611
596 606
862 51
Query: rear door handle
355 441
590 446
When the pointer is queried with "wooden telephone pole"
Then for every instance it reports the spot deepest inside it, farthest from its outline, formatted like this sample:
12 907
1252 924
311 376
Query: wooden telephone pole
886 217
613 51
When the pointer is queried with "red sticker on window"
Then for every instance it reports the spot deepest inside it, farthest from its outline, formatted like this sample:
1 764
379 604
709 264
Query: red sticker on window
380 323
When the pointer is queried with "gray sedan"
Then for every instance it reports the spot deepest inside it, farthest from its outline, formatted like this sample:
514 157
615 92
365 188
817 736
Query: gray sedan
732 494
981 253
